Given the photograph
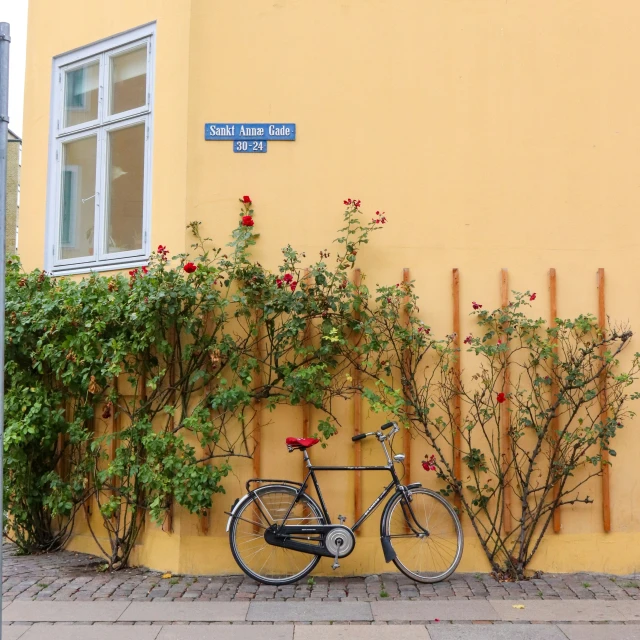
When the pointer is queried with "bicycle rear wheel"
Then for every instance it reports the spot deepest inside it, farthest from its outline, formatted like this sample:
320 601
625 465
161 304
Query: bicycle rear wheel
255 556
423 557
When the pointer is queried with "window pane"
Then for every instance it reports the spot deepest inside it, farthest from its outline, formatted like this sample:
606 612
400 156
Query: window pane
81 94
125 186
77 202
128 80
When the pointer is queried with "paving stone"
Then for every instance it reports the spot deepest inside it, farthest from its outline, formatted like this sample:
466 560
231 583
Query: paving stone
187 611
293 611
496 632
227 632
600 631
360 632
27 611
554 611
13 632
429 611
89 632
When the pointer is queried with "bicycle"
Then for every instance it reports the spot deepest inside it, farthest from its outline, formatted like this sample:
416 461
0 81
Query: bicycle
278 532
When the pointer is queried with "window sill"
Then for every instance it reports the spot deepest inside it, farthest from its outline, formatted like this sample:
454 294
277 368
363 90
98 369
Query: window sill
84 269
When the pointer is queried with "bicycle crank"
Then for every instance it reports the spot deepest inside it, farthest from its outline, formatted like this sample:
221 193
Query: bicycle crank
339 542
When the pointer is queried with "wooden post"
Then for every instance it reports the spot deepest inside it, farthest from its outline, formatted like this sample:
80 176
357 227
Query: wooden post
257 431
457 369
306 407
505 419
602 323
172 421
555 424
204 522
357 427
406 278
115 421
115 428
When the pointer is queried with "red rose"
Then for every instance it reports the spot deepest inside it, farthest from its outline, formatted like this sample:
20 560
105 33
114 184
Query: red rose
468 339
532 297
288 278
145 270
293 285
476 306
247 221
501 397
246 200
348 201
133 273
279 283
106 413
190 267
430 464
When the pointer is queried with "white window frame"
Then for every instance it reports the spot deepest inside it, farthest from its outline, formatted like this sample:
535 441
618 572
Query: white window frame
75 171
103 51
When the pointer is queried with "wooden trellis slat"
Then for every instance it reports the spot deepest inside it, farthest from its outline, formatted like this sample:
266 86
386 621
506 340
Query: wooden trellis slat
505 418
306 407
406 278
115 429
172 381
602 323
555 423
457 367
357 427
257 431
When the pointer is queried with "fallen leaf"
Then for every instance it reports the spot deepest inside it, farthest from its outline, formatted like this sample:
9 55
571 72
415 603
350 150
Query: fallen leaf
518 606
165 576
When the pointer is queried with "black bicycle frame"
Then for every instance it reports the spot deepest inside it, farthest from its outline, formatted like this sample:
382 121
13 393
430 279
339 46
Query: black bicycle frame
395 482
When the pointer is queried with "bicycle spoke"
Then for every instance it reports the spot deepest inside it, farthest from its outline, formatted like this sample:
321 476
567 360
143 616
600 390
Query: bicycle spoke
426 557
264 561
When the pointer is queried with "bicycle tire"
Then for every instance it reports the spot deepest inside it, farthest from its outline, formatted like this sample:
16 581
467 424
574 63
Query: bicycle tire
248 528
436 555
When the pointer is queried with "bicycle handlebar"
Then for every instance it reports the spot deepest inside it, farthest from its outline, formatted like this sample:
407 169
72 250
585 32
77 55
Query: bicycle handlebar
361 436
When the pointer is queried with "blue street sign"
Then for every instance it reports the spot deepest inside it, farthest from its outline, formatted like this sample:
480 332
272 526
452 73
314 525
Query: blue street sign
249 131
250 146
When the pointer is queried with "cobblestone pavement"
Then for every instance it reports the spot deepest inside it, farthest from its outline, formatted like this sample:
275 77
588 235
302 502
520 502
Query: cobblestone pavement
72 576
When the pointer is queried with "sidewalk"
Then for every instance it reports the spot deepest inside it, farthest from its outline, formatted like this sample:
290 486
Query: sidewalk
62 596
411 620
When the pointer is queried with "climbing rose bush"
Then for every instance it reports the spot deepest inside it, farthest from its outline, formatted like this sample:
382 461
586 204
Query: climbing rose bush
136 392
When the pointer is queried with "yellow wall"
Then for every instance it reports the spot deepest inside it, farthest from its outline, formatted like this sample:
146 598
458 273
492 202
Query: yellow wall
494 134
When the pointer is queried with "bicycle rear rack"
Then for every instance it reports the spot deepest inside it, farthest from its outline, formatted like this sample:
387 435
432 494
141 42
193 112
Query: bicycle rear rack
270 480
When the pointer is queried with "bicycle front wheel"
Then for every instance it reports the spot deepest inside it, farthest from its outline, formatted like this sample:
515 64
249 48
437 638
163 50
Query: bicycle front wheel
260 560
425 534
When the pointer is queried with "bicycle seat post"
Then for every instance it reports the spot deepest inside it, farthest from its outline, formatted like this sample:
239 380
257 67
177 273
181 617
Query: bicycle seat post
306 458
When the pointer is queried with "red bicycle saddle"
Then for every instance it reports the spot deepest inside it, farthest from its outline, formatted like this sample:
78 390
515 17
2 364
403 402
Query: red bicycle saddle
301 443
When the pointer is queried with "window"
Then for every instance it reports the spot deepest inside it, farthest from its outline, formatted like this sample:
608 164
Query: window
99 177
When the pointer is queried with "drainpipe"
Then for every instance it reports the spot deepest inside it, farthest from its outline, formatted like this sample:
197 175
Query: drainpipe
5 39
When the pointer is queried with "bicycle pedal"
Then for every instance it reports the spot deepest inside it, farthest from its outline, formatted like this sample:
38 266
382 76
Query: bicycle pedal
342 519
335 565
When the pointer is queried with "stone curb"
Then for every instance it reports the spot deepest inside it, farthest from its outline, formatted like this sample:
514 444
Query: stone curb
308 612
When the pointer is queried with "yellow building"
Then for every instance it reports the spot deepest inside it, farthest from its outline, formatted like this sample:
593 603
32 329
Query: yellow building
13 192
494 135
